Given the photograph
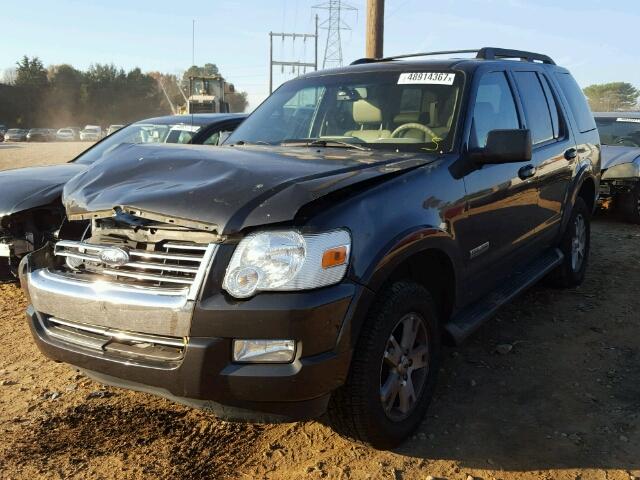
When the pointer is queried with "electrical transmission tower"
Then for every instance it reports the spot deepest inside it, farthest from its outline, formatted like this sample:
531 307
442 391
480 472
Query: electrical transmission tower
334 25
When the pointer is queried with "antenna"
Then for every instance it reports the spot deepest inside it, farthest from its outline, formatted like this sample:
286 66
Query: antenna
334 25
193 42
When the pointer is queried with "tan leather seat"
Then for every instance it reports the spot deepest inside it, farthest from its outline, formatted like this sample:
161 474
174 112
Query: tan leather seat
367 116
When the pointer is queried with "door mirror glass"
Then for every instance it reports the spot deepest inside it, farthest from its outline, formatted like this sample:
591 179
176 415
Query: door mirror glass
505 146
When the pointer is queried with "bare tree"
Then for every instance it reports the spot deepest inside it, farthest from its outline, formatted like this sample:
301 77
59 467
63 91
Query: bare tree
9 76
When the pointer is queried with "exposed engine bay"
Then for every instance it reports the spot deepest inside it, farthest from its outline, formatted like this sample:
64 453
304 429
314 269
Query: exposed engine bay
25 231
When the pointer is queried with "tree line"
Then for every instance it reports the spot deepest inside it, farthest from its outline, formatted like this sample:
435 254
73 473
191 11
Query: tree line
612 97
61 95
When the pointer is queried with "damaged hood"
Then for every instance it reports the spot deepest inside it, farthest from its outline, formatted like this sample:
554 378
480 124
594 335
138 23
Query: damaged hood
25 188
226 188
614 155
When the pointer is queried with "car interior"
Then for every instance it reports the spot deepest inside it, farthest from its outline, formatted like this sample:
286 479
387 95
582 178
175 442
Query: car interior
374 113
411 114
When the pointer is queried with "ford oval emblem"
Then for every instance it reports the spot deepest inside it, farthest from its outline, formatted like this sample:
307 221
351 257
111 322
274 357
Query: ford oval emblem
114 257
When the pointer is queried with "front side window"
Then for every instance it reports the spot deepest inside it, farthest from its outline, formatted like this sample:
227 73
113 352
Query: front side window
494 108
535 106
400 110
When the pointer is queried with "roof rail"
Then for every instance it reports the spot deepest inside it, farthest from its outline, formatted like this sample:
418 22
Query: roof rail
491 53
485 53
409 55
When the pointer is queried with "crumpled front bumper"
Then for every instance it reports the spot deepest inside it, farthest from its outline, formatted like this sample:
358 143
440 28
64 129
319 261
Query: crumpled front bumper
205 375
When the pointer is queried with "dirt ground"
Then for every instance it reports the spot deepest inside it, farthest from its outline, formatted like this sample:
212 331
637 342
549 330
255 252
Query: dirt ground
22 154
563 403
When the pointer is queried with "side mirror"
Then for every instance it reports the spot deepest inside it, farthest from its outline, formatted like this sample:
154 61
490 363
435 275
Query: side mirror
505 146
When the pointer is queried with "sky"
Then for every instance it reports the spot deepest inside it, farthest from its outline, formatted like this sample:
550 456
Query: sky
595 39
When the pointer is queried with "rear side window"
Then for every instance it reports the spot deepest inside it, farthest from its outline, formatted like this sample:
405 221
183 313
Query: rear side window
554 108
577 101
494 109
535 106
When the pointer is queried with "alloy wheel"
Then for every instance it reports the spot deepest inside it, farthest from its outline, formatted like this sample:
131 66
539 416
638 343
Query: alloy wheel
405 367
578 243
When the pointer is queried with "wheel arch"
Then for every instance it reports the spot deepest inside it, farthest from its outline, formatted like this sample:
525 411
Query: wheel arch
427 257
587 192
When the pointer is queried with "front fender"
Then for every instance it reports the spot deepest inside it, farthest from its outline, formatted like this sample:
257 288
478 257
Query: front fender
405 245
387 261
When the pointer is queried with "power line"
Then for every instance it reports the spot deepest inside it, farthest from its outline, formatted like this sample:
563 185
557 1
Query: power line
294 64
334 25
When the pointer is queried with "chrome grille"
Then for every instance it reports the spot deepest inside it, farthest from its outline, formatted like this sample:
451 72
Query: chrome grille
171 265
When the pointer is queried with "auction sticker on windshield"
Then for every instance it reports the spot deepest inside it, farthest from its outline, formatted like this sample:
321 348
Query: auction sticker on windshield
426 78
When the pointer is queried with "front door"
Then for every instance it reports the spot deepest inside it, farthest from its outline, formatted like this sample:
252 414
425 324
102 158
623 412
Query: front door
502 199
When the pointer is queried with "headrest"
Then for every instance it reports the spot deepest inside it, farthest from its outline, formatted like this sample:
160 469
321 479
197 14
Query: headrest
406 117
365 112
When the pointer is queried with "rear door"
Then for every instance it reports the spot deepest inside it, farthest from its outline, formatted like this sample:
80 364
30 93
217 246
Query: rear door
554 148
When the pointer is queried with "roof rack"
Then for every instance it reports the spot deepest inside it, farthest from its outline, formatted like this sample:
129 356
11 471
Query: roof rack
486 53
491 53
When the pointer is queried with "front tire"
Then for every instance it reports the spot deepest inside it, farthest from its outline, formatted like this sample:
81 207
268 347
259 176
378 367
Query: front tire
394 369
575 245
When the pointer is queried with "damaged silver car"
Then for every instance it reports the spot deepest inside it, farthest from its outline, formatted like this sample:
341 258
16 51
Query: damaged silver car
620 186
31 212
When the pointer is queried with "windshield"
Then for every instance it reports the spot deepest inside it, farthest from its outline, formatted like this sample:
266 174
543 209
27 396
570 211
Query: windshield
410 110
14 130
138 133
620 131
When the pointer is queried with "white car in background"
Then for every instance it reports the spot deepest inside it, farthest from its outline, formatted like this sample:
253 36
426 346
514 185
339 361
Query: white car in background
91 133
113 128
67 134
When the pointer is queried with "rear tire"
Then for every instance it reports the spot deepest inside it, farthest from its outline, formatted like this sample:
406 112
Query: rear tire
575 246
391 380
629 204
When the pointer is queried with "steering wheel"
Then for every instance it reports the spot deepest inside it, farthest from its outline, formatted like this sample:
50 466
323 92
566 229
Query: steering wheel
414 126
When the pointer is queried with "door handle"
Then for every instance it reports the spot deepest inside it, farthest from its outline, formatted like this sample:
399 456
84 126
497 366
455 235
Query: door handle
527 171
570 154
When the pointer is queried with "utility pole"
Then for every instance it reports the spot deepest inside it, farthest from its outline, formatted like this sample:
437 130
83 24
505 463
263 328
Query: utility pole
334 25
292 63
375 28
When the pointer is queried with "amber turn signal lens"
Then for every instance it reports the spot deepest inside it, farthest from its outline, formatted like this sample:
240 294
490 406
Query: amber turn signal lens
334 257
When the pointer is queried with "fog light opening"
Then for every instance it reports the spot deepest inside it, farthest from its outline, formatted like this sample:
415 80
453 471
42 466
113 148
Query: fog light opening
264 351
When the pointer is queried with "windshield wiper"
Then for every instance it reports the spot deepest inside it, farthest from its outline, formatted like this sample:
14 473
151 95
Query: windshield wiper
322 143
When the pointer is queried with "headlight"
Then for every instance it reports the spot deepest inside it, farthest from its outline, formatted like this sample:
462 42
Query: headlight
287 260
